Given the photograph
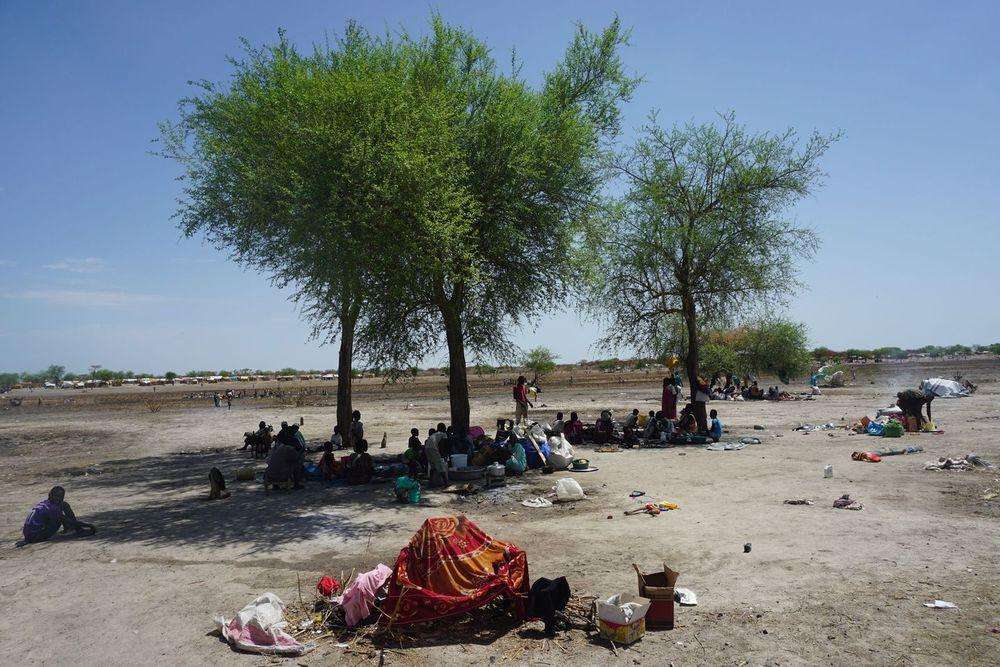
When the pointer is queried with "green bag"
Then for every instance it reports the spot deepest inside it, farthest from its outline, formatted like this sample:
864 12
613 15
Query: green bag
893 429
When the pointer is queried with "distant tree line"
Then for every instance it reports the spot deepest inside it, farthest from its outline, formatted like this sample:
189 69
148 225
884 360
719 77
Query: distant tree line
825 354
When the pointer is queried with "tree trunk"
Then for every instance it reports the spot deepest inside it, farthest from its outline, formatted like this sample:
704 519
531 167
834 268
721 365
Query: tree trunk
458 381
344 370
691 320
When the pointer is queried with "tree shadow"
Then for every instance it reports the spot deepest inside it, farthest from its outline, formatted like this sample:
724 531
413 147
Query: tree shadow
173 509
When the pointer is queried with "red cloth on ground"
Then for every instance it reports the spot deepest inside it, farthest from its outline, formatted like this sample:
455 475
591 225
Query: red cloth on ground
451 567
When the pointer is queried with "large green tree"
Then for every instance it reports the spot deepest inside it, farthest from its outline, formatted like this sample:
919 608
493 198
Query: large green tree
307 167
703 233
524 172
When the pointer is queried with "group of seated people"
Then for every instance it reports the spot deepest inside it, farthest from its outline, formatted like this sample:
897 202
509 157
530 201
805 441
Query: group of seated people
286 462
656 426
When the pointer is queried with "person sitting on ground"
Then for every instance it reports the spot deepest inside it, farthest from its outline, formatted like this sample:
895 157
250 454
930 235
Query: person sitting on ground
300 440
49 515
650 430
631 422
686 422
437 463
504 428
357 427
336 439
328 463
216 485
604 428
284 464
361 466
755 393
715 426
573 429
414 456
557 425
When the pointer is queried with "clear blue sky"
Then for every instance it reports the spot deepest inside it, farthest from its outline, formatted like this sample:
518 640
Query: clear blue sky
93 270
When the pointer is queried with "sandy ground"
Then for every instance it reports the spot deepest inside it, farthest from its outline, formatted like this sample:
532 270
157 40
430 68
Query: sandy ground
820 586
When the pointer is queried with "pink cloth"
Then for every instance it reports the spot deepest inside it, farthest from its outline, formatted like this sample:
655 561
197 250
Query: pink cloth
476 432
358 597
259 628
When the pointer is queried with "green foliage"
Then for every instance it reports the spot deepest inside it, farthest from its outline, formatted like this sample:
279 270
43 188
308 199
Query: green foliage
774 345
539 360
702 234
890 353
8 380
170 375
53 373
716 357
823 354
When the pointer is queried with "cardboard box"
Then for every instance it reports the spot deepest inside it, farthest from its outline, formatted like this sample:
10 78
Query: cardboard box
658 588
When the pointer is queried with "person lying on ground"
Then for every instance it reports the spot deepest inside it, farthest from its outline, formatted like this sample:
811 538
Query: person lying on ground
573 429
715 426
48 516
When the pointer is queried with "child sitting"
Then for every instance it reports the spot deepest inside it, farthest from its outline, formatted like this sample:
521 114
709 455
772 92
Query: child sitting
414 456
715 426
327 463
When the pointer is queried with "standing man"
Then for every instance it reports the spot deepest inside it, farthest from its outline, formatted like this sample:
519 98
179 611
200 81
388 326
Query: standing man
521 402
668 404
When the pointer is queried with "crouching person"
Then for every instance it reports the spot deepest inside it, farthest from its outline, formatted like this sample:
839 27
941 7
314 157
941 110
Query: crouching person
48 516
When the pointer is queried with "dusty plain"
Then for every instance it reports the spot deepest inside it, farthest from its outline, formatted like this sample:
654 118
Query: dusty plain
820 585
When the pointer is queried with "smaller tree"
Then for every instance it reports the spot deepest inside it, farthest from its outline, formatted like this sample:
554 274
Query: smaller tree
170 375
539 360
53 373
8 380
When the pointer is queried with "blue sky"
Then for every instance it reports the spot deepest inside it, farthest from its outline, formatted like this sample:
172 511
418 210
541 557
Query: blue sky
93 269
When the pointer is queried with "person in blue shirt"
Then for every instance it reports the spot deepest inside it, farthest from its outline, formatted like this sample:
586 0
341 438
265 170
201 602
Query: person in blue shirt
715 430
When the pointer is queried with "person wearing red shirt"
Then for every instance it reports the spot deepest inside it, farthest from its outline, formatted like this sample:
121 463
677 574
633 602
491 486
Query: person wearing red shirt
521 401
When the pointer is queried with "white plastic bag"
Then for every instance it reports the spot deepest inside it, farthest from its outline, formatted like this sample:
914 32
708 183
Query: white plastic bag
561 454
622 609
568 489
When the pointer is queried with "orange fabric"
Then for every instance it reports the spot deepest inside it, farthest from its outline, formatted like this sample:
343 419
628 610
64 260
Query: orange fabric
450 567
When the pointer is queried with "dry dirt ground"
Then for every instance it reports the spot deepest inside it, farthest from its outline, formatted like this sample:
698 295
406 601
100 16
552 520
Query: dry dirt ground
820 586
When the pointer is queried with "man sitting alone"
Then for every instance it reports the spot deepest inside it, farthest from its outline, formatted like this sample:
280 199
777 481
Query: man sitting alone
47 516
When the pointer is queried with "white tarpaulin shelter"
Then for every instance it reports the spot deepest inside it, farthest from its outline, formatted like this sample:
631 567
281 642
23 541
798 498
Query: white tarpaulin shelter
943 388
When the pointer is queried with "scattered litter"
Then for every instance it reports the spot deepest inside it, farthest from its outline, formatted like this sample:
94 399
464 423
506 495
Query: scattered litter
327 586
685 597
747 547
828 472
749 440
359 596
725 446
799 501
653 509
259 628
888 451
967 462
568 490
636 494
941 604
758 427
537 502
846 503
870 457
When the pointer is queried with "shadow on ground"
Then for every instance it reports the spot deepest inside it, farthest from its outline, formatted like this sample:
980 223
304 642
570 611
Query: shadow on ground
172 507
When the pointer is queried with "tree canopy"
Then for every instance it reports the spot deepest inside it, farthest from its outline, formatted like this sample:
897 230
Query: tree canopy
539 360
702 234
